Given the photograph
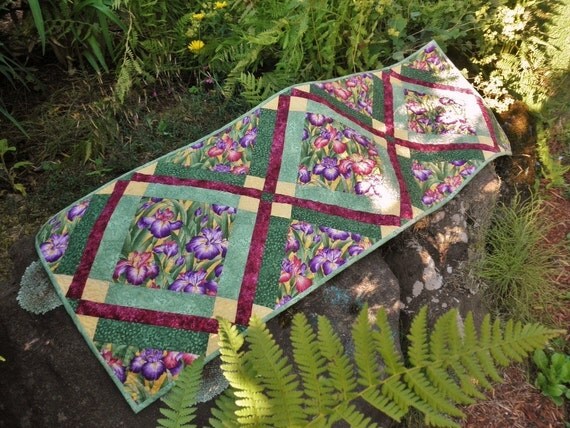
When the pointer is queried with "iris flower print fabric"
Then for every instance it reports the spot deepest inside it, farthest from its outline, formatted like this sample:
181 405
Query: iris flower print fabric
254 216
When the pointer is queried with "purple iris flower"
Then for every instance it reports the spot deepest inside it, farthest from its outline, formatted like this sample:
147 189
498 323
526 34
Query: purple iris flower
77 210
149 203
160 224
356 237
292 244
220 209
430 197
249 138
327 260
335 234
304 175
429 49
175 361
116 364
283 301
218 271
459 162
169 248
354 250
198 212
54 248
194 282
317 119
209 244
222 167
138 267
328 168
149 363
420 172
305 134
197 145
416 108
301 226
468 170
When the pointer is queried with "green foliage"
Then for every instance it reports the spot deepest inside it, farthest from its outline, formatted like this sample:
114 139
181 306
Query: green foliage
518 260
445 368
553 377
10 172
179 412
552 169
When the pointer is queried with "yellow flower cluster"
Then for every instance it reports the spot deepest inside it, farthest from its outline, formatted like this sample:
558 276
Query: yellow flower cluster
196 46
198 16
220 4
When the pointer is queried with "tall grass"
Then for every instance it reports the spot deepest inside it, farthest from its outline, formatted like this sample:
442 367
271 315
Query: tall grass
519 265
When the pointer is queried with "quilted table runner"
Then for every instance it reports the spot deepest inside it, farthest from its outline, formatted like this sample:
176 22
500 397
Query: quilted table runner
249 219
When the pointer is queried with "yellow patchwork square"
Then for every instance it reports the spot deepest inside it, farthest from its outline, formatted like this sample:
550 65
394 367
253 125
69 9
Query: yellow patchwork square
486 140
381 141
284 188
136 188
403 151
64 282
225 308
253 182
298 104
387 230
213 345
281 210
149 169
380 126
95 290
107 190
247 203
89 324
260 311
402 134
272 104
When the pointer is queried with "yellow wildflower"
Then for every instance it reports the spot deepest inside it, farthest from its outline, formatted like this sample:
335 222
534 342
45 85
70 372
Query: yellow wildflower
198 16
220 4
196 46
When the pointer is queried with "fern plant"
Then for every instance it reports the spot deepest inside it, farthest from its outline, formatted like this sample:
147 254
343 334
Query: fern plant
445 368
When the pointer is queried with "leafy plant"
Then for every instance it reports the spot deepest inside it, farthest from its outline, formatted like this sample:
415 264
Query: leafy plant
10 174
553 377
321 385
517 260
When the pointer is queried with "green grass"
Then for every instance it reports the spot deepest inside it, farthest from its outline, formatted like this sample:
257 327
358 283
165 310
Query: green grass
518 266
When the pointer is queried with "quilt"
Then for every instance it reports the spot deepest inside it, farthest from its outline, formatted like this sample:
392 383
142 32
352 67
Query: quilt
249 219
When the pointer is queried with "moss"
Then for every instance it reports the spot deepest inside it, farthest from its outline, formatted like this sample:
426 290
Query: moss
36 294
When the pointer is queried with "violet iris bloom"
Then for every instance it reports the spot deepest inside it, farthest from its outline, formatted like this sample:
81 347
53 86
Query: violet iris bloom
354 250
335 234
160 224
169 248
77 210
175 361
468 170
301 226
328 168
327 260
459 162
430 197
149 363
249 138
304 175
220 209
317 119
138 267
208 245
292 244
54 248
222 168
420 172
116 364
194 282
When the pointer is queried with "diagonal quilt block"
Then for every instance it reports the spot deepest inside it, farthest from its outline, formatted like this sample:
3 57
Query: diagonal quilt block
251 218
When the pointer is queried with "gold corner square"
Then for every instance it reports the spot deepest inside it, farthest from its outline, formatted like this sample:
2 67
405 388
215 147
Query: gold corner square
380 141
149 169
247 203
386 231
416 212
89 324
304 88
281 210
225 308
298 104
136 188
261 311
403 151
272 104
402 134
253 182
380 126
213 345
488 141
107 190
64 282
284 188
95 290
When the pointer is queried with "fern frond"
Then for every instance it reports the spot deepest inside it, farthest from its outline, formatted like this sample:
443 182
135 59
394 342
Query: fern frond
378 400
422 386
224 412
276 376
484 359
418 351
340 368
355 418
364 352
180 399
254 408
385 344
311 364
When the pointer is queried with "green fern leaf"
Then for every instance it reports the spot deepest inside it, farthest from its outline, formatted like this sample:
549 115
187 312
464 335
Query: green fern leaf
340 368
484 358
424 389
277 379
355 418
497 337
364 352
418 352
384 340
311 364
180 399
446 385
224 412
381 402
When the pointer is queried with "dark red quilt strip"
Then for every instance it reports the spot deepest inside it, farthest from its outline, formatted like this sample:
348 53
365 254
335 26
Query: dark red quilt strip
147 316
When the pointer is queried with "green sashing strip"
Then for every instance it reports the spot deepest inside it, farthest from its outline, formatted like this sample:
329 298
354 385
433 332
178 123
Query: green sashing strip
263 143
